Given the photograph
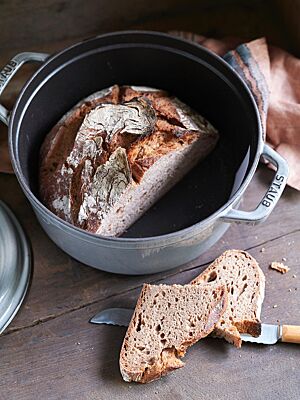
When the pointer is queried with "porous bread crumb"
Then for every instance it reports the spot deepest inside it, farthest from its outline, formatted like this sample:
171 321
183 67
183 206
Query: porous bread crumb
245 283
167 320
280 267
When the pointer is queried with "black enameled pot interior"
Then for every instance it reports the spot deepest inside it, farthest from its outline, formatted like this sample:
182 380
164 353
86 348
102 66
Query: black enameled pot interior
187 71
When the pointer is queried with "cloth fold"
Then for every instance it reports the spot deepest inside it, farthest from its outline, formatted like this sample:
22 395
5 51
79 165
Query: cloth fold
273 77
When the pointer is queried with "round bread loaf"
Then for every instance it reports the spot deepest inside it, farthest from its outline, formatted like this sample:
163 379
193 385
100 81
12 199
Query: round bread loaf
116 153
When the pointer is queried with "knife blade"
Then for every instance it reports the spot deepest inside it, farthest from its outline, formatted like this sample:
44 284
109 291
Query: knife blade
270 334
113 316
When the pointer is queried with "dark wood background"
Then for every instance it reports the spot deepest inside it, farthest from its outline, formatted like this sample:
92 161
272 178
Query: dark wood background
50 351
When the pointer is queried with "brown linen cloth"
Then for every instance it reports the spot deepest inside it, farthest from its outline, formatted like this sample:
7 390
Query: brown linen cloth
273 76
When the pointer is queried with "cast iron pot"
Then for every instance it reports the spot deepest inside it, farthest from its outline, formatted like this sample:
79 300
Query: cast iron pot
198 211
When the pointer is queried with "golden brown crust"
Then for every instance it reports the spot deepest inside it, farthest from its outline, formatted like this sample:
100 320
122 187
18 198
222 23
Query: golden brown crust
143 153
148 124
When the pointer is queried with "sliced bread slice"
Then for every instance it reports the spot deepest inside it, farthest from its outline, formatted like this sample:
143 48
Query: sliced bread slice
166 321
245 283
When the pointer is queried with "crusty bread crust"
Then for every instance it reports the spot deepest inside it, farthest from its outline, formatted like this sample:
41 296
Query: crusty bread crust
163 358
227 318
161 137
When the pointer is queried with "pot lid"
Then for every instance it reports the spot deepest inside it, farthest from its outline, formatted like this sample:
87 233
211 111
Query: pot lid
15 266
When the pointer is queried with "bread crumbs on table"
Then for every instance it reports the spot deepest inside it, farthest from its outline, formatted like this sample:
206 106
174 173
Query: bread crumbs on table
277 266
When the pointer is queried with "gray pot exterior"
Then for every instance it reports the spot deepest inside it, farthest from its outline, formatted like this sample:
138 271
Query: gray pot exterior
121 255
133 258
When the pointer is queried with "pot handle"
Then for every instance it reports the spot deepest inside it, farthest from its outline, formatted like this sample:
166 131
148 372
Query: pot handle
10 70
271 197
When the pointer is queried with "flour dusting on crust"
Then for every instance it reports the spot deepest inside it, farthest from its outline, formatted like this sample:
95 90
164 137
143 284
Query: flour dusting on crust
100 151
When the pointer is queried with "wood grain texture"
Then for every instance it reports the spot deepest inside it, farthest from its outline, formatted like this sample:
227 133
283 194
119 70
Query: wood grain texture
68 358
291 333
53 25
28 24
56 352
32 22
50 351
61 284
289 11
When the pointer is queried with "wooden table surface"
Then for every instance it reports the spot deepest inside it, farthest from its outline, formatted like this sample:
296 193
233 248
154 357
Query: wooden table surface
51 351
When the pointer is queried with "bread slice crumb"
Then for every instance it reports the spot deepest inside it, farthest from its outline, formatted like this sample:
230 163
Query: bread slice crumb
280 267
245 282
167 320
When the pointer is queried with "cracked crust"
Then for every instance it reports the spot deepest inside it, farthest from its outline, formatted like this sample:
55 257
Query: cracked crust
161 138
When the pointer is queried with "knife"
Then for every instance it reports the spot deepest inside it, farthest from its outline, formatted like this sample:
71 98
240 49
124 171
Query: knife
270 334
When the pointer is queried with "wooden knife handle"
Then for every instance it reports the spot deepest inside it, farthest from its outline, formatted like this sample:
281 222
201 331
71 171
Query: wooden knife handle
290 333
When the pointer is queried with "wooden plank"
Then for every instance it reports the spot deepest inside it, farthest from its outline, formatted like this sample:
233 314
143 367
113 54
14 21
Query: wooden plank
25 25
32 22
289 11
61 284
243 19
50 351
68 358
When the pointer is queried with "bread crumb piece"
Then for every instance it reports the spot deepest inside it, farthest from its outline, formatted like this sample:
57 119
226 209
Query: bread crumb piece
240 355
290 290
275 306
294 276
262 250
283 259
279 267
